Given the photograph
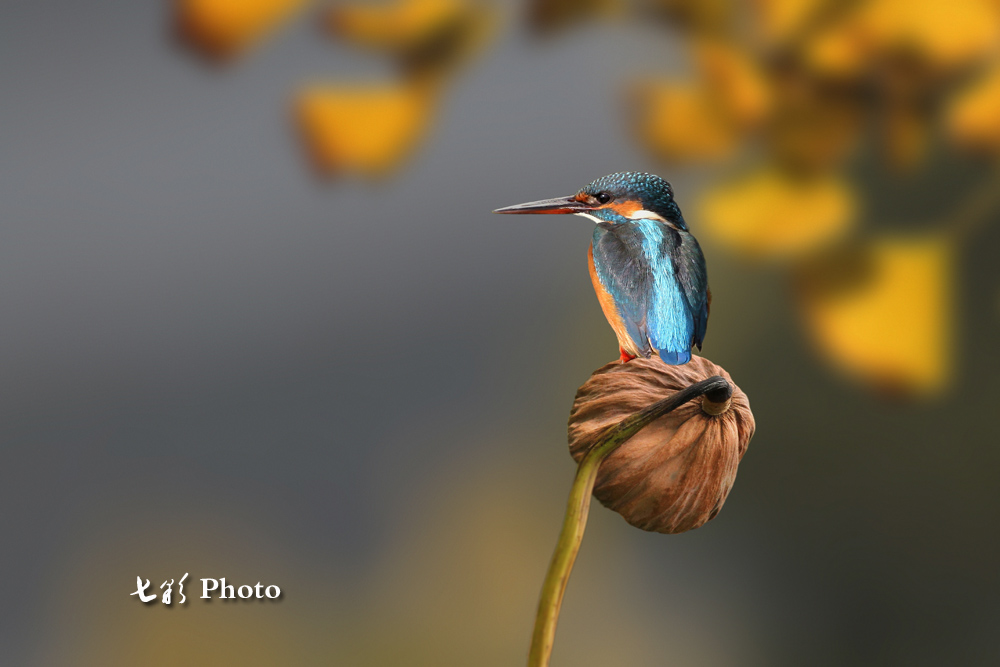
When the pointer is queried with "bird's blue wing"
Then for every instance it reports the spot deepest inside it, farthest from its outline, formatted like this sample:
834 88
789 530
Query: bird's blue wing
628 279
634 263
692 276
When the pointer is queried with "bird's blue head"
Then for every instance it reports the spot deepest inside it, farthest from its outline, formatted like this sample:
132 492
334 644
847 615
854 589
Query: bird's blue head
617 198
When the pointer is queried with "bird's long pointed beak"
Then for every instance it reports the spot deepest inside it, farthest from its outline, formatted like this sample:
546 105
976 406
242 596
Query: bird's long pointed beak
557 205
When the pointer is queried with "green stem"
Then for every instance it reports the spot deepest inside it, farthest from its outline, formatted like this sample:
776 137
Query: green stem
717 389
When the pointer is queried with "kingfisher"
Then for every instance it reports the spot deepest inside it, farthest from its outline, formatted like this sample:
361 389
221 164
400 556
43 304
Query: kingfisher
646 267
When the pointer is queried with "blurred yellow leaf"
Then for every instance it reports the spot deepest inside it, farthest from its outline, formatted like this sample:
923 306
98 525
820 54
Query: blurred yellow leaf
883 312
701 16
933 35
679 121
780 20
838 50
815 126
973 116
772 214
549 15
399 26
427 35
941 34
225 28
907 134
735 78
368 129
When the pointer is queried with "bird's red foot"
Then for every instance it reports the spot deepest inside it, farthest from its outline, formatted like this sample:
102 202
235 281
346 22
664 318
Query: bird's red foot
626 357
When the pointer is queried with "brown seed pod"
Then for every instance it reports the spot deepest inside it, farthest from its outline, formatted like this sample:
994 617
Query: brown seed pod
675 474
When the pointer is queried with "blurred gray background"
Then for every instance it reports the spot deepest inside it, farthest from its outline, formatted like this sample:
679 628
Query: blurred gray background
213 362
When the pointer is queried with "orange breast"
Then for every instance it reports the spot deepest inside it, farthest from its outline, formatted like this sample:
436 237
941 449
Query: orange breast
609 308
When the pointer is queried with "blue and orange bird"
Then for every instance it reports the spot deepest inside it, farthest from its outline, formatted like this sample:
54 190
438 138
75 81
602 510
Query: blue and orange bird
646 267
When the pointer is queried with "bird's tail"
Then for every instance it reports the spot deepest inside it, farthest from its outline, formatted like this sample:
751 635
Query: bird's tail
675 358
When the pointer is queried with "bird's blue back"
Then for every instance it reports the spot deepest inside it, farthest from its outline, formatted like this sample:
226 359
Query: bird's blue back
657 278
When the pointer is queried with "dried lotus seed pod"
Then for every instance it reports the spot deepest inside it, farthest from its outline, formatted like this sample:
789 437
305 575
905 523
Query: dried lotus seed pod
674 474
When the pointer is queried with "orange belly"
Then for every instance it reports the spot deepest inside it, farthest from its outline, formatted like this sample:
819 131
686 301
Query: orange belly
610 309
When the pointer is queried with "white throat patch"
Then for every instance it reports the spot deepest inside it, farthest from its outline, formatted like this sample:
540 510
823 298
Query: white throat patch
588 215
643 214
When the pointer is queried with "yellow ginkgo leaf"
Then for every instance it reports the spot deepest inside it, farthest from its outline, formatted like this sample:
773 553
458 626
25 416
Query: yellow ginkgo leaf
429 36
699 16
907 134
367 129
883 312
772 214
735 79
224 28
682 122
943 35
400 26
779 21
972 116
839 50
549 15
813 128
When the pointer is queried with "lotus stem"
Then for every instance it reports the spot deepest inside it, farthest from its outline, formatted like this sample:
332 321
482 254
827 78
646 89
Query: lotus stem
716 390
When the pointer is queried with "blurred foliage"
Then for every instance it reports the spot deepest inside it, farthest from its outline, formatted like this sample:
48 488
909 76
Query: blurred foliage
792 95
546 16
226 28
972 114
772 213
429 38
682 121
785 97
398 28
706 119
372 130
368 129
881 309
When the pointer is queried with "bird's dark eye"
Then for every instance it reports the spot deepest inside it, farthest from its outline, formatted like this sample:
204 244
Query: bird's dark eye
603 197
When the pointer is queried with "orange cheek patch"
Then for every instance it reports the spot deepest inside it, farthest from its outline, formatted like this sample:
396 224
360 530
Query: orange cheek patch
625 208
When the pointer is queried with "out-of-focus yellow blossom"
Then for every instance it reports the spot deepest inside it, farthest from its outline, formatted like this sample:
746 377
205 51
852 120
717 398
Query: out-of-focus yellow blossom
367 129
973 116
681 122
943 35
225 28
772 214
735 79
883 313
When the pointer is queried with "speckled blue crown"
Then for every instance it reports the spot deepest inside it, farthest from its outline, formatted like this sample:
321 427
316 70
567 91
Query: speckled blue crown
653 192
